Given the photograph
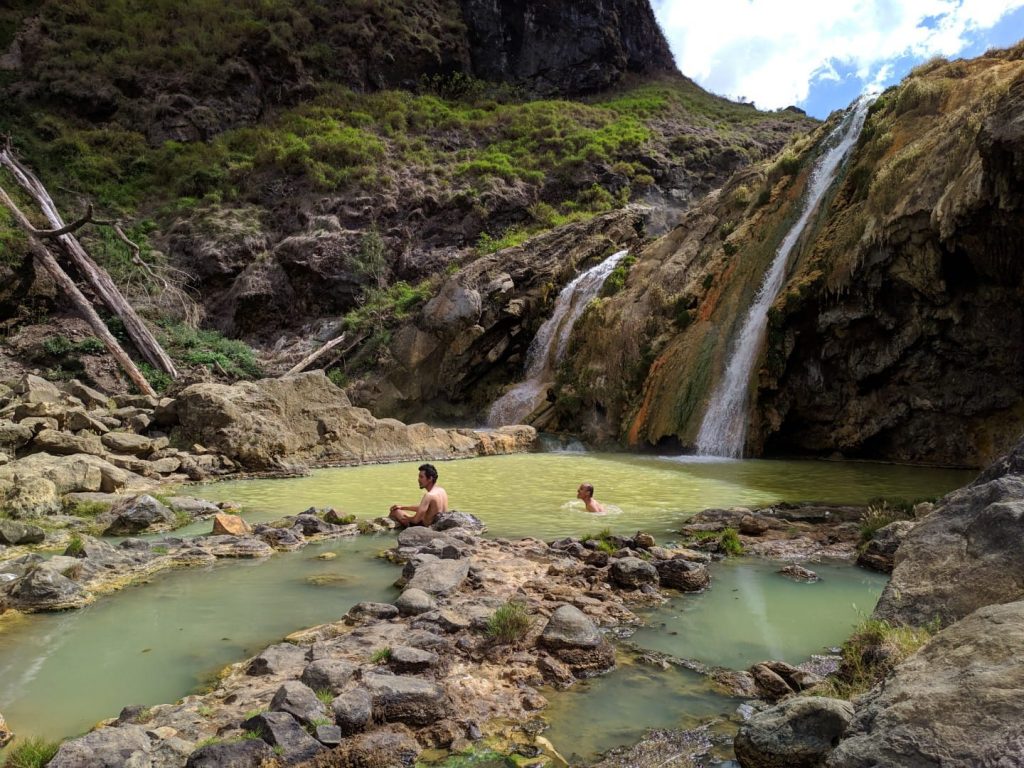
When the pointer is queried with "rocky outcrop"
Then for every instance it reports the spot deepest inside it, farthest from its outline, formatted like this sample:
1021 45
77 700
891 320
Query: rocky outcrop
305 418
564 48
799 733
968 553
471 338
956 702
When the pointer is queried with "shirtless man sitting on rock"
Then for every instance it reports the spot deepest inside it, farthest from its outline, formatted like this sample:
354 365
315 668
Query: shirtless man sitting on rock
433 503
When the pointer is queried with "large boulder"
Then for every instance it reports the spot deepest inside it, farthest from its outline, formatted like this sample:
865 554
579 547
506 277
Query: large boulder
798 733
124 745
282 731
78 473
30 496
632 572
247 753
956 703
45 589
880 552
439 577
306 417
13 532
682 574
968 553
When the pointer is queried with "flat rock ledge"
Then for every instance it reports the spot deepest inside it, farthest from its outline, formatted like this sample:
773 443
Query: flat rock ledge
387 681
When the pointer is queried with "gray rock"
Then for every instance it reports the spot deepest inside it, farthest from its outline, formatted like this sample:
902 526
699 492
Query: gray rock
299 701
798 733
246 547
328 735
966 554
632 572
413 602
35 389
247 753
44 589
281 730
353 711
441 577
279 538
682 574
405 699
281 659
404 660
90 397
417 536
76 419
126 745
880 552
136 514
328 675
454 519
575 641
195 508
311 525
569 627
13 533
956 703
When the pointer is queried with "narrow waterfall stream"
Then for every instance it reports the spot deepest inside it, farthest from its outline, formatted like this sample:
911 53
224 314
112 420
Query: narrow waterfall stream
548 346
724 428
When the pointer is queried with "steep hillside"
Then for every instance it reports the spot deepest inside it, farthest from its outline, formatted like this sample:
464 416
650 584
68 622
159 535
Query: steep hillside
898 334
297 168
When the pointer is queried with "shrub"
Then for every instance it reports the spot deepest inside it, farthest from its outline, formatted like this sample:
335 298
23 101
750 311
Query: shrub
326 695
730 542
88 508
616 281
381 656
878 515
509 623
873 650
75 546
603 539
31 753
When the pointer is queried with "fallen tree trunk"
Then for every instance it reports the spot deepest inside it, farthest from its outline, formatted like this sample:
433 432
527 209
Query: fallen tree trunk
97 277
49 263
301 365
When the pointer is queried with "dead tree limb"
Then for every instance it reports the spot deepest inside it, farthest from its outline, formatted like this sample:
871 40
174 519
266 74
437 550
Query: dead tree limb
49 263
97 277
301 365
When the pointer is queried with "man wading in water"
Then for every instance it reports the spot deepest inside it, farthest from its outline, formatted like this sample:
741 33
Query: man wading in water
585 493
433 503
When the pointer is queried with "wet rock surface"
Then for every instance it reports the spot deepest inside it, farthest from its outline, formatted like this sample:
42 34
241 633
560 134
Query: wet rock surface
799 733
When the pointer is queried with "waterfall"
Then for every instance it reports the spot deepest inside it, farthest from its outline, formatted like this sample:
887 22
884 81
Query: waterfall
724 429
548 346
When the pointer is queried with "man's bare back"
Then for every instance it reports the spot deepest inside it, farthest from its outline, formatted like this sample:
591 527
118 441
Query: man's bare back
433 503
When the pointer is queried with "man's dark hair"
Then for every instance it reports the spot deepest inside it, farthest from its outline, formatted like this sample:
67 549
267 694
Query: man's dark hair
588 487
429 471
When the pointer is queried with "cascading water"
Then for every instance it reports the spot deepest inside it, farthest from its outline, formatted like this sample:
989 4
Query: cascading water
724 429
549 344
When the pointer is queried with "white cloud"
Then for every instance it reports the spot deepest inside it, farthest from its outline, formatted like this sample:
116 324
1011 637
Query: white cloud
772 52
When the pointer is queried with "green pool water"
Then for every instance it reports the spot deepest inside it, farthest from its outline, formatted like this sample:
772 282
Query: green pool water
156 642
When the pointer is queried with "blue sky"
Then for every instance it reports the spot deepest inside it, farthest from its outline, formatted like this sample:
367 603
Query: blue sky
819 55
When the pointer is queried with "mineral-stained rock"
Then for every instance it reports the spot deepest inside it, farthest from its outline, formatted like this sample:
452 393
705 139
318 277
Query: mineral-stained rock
387 747
798 733
753 525
454 519
229 525
405 699
13 436
31 497
955 703
367 611
799 573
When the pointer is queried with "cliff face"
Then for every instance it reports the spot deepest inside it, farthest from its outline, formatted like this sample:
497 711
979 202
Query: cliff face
564 48
898 334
